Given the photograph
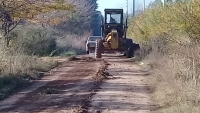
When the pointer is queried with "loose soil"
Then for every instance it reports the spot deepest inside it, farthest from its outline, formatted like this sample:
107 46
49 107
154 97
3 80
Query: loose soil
112 84
67 88
125 91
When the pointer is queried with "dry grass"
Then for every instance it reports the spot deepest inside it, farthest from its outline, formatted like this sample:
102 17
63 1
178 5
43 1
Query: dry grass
73 44
18 71
23 64
174 54
176 77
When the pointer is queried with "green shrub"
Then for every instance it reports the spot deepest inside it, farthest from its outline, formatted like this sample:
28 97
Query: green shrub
33 41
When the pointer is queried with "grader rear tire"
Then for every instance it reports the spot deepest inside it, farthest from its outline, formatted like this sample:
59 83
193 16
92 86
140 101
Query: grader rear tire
129 53
99 48
129 48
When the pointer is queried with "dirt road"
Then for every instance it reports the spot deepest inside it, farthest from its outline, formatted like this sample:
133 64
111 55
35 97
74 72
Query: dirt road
126 91
73 88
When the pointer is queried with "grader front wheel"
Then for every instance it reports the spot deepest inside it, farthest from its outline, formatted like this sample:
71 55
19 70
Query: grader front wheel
98 48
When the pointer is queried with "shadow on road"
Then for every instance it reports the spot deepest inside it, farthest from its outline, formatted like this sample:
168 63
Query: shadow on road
126 91
70 89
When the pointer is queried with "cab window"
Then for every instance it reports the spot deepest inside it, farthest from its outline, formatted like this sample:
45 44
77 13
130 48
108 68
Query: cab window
113 18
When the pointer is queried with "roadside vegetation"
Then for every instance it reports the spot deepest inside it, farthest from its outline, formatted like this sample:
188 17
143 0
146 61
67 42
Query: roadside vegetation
169 35
33 30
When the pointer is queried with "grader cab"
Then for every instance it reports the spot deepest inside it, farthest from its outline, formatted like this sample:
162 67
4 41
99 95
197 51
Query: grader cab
114 35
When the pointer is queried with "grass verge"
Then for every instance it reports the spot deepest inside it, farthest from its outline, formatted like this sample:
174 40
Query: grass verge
13 82
175 79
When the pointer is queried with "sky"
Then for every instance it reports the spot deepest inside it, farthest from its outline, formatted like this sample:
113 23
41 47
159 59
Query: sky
122 4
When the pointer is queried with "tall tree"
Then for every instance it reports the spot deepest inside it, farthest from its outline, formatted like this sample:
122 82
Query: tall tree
80 20
96 24
13 11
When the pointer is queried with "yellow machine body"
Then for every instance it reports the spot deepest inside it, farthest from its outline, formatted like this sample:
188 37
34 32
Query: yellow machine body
111 40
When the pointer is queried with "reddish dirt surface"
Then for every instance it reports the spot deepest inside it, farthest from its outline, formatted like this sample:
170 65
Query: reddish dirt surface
68 91
74 87
125 91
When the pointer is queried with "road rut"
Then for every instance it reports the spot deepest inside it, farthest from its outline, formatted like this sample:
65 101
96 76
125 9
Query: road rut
126 91
71 88
67 89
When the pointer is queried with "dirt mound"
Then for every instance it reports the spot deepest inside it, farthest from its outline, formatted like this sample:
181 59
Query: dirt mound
83 58
71 89
72 58
102 74
80 109
88 59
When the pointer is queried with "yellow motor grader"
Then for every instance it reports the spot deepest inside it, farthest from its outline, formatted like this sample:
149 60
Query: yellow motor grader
113 30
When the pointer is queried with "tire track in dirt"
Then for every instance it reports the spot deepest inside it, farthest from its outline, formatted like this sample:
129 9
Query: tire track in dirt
68 89
77 87
126 91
